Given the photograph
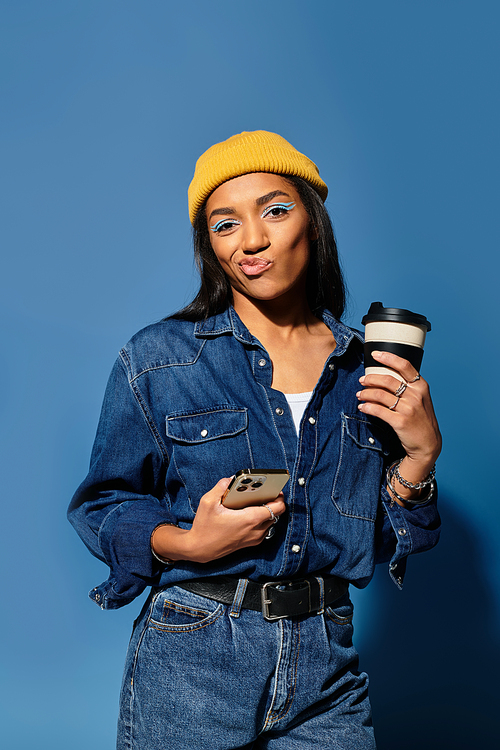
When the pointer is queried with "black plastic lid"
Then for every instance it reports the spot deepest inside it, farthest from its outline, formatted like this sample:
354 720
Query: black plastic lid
395 315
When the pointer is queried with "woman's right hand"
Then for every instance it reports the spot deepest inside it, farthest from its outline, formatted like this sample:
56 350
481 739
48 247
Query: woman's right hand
216 531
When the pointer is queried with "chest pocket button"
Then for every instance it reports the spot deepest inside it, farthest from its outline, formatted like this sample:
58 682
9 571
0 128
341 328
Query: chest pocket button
218 422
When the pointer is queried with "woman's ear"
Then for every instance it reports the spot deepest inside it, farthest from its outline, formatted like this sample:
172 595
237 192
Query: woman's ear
313 232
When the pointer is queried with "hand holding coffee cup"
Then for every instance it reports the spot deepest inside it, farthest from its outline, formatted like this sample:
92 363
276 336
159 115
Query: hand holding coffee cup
393 391
395 330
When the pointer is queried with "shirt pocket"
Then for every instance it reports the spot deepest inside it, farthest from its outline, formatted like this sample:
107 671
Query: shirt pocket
209 445
356 487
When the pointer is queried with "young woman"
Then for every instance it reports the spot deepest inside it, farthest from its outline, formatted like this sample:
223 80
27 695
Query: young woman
245 639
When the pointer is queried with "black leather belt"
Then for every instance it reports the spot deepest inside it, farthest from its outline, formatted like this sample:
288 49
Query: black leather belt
275 599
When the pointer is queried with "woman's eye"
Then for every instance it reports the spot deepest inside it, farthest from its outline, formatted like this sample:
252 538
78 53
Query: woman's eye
278 209
224 225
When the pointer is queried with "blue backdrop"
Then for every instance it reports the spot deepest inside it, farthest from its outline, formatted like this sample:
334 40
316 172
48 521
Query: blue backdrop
105 107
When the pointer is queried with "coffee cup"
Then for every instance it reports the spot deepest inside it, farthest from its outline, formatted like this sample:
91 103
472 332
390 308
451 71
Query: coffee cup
391 329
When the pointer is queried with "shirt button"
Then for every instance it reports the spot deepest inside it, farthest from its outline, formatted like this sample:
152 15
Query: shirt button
296 548
279 411
331 367
262 363
301 481
204 433
312 420
402 532
371 440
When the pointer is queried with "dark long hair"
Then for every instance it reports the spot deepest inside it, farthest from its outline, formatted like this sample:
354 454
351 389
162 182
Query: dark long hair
325 285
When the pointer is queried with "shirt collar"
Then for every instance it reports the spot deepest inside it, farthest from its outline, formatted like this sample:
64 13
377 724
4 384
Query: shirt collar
223 323
228 322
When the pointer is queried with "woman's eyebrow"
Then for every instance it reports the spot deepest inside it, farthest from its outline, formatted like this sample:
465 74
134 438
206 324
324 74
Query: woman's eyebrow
270 196
218 211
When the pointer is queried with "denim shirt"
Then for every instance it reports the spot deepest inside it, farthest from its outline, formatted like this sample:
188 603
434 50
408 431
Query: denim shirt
188 403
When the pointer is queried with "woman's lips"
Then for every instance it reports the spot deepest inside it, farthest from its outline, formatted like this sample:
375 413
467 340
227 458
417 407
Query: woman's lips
254 266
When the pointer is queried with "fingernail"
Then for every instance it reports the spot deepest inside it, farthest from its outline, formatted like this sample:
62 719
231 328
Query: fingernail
362 379
358 394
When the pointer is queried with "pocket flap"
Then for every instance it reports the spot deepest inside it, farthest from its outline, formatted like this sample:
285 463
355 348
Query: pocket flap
364 433
199 427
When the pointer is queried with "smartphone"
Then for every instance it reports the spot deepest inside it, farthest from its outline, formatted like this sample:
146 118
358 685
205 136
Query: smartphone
254 487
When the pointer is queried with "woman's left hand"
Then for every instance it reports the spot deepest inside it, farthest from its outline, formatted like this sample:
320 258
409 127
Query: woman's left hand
408 411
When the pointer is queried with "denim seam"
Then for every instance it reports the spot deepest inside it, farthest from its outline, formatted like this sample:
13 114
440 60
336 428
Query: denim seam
291 505
209 438
185 610
214 409
368 424
188 496
275 716
252 464
290 496
238 597
145 411
268 719
337 619
291 691
153 368
132 677
306 492
274 421
342 444
216 615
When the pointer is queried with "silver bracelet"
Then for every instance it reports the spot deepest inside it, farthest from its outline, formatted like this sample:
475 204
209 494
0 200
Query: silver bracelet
420 501
162 560
419 485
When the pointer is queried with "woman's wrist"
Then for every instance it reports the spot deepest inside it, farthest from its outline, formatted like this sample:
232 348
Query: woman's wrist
414 472
167 543
410 481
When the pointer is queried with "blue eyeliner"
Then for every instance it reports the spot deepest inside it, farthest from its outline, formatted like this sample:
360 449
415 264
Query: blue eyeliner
216 227
234 222
285 206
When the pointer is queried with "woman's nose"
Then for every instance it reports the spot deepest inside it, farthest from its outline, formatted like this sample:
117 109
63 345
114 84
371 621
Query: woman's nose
254 237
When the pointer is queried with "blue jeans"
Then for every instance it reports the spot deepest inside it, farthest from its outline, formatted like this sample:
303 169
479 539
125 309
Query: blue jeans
202 674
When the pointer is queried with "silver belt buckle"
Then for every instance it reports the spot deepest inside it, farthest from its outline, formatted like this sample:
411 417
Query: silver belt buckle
266 602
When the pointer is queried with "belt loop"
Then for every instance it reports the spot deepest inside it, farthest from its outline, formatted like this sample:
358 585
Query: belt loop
238 597
321 585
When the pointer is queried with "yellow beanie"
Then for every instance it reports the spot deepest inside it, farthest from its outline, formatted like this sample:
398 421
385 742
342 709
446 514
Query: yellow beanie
259 151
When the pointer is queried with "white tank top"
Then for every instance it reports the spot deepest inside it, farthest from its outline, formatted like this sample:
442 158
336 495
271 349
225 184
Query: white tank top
297 403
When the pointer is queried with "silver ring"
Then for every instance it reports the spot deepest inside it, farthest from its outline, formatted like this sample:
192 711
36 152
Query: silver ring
393 407
402 388
273 517
417 377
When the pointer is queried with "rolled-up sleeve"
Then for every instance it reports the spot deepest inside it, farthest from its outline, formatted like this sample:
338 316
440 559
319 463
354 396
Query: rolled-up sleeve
405 531
122 499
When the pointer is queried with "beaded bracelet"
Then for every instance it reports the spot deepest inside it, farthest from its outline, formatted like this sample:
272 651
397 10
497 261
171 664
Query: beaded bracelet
427 482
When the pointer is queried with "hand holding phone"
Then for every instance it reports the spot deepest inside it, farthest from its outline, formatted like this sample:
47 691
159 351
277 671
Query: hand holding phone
254 487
